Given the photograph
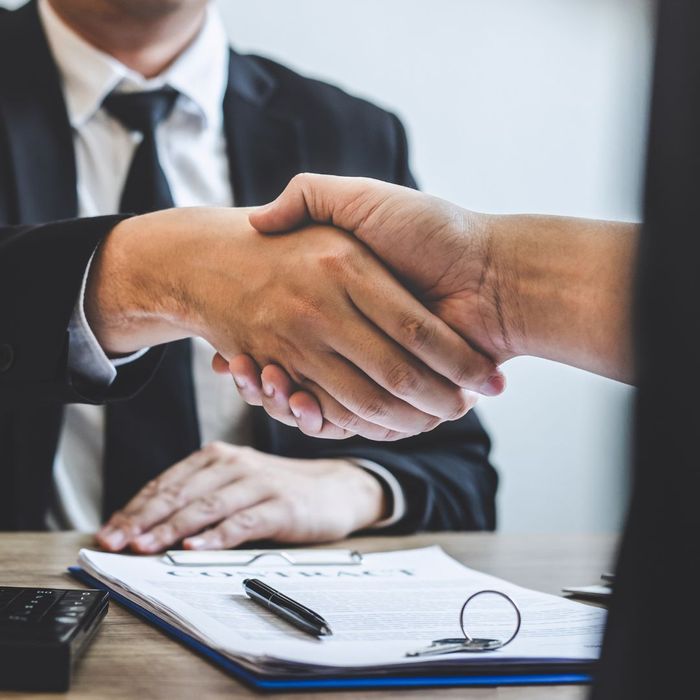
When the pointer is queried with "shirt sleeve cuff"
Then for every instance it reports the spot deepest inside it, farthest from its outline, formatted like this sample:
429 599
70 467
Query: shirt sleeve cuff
86 358
391 483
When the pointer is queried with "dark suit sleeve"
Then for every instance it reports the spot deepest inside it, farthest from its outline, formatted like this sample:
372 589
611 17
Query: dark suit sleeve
402 175
41 272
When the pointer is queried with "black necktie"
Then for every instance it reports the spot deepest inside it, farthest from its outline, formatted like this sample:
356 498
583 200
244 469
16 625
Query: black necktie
159 426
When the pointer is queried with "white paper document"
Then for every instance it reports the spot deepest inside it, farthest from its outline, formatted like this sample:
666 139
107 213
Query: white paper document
392 603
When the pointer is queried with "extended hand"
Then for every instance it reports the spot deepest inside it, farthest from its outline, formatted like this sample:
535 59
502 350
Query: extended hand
317 303
439 250
548 286
223 496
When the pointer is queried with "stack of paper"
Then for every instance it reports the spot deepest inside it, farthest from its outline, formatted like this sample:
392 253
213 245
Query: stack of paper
392 603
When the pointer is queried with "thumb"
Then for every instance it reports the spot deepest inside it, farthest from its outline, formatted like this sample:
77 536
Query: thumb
297 205
326 199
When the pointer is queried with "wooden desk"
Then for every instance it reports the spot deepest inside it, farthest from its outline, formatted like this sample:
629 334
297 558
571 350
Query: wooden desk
130 659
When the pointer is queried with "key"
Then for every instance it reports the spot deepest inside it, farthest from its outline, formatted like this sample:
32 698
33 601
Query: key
457 645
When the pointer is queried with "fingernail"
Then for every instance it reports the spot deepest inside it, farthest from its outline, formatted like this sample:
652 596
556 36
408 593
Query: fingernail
194 543
295 412
145 541
239 382
115 539
494 385
268 389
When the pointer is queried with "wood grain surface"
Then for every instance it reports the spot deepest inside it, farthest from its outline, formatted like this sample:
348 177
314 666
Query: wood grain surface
131 659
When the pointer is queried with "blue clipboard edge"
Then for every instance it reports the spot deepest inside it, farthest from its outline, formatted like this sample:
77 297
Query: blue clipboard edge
338 683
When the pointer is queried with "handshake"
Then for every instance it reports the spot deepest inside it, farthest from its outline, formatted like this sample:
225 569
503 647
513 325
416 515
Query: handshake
351 306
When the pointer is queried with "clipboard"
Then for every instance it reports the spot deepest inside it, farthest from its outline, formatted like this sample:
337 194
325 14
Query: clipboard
284 683
245 557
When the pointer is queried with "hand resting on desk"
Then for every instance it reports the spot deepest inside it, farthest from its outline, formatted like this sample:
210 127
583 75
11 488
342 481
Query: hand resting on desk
222 496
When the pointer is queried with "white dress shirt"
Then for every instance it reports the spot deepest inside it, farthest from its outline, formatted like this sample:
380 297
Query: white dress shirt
192 152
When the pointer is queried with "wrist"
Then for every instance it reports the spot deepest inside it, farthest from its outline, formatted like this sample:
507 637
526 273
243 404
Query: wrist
372 503
486 285
134 293
565 286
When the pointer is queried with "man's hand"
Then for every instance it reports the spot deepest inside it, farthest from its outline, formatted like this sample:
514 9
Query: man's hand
223 496
440 251
318 303
552 287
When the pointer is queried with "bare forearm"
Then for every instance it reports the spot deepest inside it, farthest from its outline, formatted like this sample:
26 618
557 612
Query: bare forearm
156 277
131 300
306 298
565 289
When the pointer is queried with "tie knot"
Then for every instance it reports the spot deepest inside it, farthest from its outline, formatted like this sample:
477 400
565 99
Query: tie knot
141 111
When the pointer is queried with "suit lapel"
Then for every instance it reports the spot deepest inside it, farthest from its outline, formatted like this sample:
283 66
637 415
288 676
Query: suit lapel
264 148
40 141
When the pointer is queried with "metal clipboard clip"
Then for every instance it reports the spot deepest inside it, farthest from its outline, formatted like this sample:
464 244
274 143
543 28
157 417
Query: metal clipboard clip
468 643
245 557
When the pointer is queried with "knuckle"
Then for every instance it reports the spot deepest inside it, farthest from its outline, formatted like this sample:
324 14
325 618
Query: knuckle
242 521
240 466
417 333
402 380
151 488
388 435
346 420
123 520
167 532
307 310
431 423
341 260
217 448
298 508
246 520
173 495
245 452
469 372
373 407
460 407
301 180
211 505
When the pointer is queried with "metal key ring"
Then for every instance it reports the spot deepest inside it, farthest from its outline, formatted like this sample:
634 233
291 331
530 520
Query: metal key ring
503 595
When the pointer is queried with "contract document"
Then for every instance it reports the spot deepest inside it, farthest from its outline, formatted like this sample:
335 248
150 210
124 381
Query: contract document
390 604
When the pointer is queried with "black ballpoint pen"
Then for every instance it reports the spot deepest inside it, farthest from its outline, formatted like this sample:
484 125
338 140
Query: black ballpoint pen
295 613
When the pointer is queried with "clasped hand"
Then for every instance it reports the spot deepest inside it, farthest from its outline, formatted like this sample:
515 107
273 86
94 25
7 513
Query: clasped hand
316 302
443 252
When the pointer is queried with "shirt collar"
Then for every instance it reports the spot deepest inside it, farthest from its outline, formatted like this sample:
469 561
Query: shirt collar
200 73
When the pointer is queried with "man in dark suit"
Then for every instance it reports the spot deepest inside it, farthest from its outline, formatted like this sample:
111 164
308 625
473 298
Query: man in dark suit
92 124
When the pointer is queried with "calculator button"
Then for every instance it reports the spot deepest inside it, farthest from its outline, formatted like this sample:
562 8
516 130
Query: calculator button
73 609
31 605
18 618
65 620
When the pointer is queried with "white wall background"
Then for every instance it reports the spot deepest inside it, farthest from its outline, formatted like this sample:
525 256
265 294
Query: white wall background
510 105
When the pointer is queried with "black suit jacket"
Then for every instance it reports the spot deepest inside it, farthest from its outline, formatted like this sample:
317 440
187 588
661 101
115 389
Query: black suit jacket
277 124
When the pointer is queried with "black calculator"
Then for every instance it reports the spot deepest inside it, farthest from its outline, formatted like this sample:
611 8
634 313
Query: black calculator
43 632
